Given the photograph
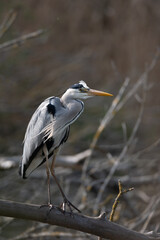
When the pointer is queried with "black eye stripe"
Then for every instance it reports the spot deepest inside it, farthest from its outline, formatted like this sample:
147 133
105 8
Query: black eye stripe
77 86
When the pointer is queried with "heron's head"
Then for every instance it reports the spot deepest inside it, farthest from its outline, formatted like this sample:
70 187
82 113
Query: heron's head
82 91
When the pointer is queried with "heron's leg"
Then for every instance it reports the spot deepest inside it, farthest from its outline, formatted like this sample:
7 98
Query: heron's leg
66 201
45 150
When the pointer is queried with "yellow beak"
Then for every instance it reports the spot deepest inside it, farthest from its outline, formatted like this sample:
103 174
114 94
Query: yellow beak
93 92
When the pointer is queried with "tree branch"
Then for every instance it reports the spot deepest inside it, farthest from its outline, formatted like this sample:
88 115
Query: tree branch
121 192
20 40
98 226
7 22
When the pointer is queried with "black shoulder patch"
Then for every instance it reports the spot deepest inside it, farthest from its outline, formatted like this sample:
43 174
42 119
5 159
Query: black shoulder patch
51 109
77 86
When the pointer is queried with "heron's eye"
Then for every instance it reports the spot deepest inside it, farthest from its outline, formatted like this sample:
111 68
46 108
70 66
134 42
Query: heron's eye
83 90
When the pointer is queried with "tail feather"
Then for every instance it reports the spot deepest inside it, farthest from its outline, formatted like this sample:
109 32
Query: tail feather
21 172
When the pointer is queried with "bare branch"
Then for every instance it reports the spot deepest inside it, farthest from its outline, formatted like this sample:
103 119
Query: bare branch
98 226
121 192
140 81
143 217
69 161
19 41
110 113
7 22
122 154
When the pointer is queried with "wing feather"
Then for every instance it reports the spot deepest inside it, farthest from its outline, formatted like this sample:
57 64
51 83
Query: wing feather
39 128
50 122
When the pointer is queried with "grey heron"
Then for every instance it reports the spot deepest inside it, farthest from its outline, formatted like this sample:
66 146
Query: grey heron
49 128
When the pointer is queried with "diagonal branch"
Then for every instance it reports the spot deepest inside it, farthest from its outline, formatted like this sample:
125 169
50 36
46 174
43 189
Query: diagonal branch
7 22
123 152
20 40
115 204
98 226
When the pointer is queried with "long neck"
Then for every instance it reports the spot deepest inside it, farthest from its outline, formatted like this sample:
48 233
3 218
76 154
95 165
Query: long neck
74 107
66 99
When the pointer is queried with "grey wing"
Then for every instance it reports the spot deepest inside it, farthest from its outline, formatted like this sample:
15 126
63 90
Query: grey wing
35 135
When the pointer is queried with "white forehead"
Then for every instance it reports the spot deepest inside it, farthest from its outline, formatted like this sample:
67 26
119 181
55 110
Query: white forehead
83 83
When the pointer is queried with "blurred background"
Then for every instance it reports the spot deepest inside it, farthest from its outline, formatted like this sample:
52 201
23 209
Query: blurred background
85 40
100 42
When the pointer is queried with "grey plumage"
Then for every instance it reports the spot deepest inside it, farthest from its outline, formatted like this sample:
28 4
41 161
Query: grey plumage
50 123
47 126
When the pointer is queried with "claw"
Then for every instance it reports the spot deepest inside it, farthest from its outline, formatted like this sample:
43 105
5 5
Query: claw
49 205
70 205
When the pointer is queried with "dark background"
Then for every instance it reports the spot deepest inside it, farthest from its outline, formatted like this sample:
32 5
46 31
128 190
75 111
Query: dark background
101 42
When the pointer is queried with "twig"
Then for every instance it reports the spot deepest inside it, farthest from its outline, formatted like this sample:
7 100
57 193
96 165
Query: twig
140 81
117 104
46 234
110 113
147 149
122 154
128 180
139 180
153 203
105 121
150 214
121 192
147 221
98 226
7 22
69 161
19 41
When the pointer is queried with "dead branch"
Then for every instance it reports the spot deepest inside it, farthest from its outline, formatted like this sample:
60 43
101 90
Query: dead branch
19 41
143 217
147 149
121 192
110 113
140 81
98 226
69 161
105 121
140 180
123 152
7 22
73 161
117 105
45 234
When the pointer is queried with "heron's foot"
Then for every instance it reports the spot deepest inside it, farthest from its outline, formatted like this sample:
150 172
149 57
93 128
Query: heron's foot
65 203
49 205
